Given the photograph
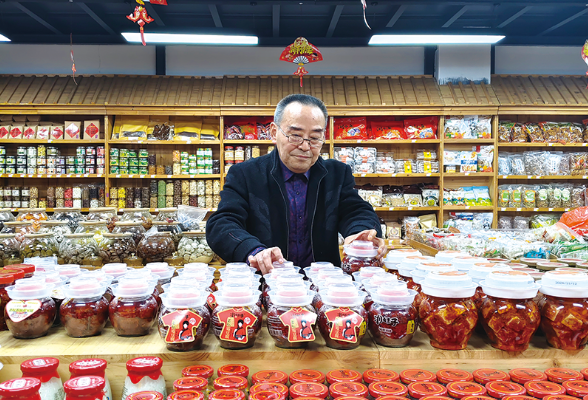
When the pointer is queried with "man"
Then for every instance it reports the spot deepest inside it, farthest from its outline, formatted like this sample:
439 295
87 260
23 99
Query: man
291 204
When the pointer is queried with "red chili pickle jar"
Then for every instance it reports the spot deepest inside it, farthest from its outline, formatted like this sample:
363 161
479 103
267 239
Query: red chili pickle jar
266 395
307 375
191 383
308 389
576 388
186 395
459 390
524 375
561 375
417 375
20 389
145 395
233 370
419 390
449 375
28 269
269 376
380 375
387 388
559 397
230 382
359 254
270 387
201 371
343 375
85 388
342 389
485 375
500 389
540 389
227 394
478 398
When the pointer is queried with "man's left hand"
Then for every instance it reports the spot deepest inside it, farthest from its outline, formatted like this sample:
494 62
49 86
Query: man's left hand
370 236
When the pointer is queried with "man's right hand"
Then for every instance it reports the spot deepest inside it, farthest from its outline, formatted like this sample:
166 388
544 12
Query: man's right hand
263 261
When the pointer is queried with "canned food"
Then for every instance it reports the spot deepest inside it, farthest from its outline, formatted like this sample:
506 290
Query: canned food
24 203
70 160
20 169
50 170
114 161
2 160
10 160
90 161
29 170
25 191
123 162
90 169
100 151
193 171
143 153
51 162
21 160
114 169
60 170
31 152
2 169
192 157
133 162
80 151
100 161
21 151
41 161
70 169
114 153
52 151
143 162
80 161
100 170
42 170
143 171
134 170
90 151
10 169
124 171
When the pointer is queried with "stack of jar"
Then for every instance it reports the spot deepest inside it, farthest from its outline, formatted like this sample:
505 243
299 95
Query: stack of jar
238 154
196 193
17 197
200 163
133 162
129 161
88 160
48 160
129 197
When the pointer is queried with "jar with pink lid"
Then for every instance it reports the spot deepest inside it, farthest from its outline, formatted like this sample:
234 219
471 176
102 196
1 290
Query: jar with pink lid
359 254
31 311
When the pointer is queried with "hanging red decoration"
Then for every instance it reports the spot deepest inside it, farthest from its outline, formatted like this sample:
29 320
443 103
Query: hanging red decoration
141 17
159 2
364 5
301 52
73 63
585 55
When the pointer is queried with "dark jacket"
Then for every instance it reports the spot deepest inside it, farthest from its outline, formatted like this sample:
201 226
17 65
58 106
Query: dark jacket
253 211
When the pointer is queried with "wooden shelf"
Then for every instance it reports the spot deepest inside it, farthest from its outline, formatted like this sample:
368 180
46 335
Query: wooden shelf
509 209
468 208
58 176
137 176
406 208
432 175
373 142
50 141
542 177
156 210
164 142
542 145
50 210
250 142
467 174
468 141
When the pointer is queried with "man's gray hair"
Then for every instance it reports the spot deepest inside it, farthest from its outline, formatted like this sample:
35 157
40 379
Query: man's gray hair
303 99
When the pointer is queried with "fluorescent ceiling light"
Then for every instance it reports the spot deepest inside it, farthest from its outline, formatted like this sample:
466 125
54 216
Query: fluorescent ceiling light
4 38
391 40
191 39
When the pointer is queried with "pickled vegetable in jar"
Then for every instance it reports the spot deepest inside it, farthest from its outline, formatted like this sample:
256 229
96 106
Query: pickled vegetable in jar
308 389
266 395
92 367
367 273
421 271
278 388
269 376
478 273
461 389
194 383
85 387
359 254
6 280
85 312
162 271
417 375
233 370
501 389
133 310
392 317
395 257
541 389
419 390
407 266
371 286
45 370
227 394
231 382
200 371
144 374
524 375
510 317
564 309
561 375
31 311
115 270
156 247
341 389
448 314
466 262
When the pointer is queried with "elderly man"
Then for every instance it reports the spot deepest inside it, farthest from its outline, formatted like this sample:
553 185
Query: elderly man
291 204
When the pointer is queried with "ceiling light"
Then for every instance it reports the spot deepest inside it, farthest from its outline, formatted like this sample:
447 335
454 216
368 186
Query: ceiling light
4 38
175 38
399 40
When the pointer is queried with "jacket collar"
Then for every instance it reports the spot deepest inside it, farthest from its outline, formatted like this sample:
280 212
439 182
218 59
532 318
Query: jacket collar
318 170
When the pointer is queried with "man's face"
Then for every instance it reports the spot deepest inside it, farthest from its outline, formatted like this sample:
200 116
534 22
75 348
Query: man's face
305 121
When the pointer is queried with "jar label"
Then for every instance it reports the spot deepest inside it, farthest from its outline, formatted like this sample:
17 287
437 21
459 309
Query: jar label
345 324
299 322
235 323
19 310
211 301
182 325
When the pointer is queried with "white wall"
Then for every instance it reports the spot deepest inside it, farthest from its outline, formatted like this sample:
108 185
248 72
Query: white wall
552 60
463 63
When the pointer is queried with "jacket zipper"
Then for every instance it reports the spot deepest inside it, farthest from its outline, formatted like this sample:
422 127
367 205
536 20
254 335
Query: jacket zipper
312 222
287 223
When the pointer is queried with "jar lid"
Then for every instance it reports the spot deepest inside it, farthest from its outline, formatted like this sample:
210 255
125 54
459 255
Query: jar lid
387 388
585 373
233 370
550 265
396 294
409 263
453 284
560 375
423 269
20 387
435 398
343 295
570 260
84 287
485 375
325 273
500 389
396 256
559 397
271 387
315 266
465 263
145 395
50 277
417 375
479 271
133 287
162 270
448 375
568 284
285 264
84 386
367 272
484 398
190 383
361 248
497 260
203 371
39 366
266 395
236 295
186 395
518 397
307 375
510 285
100 276
6 279
27 268
15 273
343 375
400 398
269 376
227 394
308 389
448 255
88 366
340 389
29 288
295 295
576 388
115 269
380 375
68 270
144 365
540 389
524 375
422 389
462 389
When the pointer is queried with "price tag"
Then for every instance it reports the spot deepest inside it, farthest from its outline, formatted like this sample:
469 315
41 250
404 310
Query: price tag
68 175
78 176
566 209
358 140
86 175
519 209
49 176
188 141
538 177
409 208
131 176
152 176
504 176
118 175
363 175
467 174
59 176
139 141
467 207
393 175
141 176
585 177
535 209
584 144
529 176
503 209
550 144
10 175
428 174
30 176
169 176
99 176
39 175
550 209
391 209
50 141
413 140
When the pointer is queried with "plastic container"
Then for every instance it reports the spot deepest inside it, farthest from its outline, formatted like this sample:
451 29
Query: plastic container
133 310
91 367
395 257
31 312
307 375
561 375
85 312
84 388
449 375
380 375
465 263
367 273
541 389
448 255
485 375
359 254
144 374
20 389
343 375
44 369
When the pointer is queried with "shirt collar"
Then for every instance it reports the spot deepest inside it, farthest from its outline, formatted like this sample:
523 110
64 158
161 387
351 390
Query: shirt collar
289 174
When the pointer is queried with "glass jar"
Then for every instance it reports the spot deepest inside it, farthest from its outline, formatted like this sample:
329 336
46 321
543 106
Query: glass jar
18 228
359 254
10 249
72 215
144 374
342 319
107 214
5 216
448 314
393 317
156 247
510 298
173 228
57 228
34 215
91 367
291 318
135 228
308 390
6 280
133 310
380 375
96 227
31 311
78 248
85 387
141 215
116 247
564 309
307 375
20 389
167 215
39 245
44 369
486 375
193 247
85 311
237 318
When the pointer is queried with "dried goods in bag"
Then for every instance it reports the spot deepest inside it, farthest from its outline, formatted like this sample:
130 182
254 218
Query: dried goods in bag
534 132
520 222
529 196
504 193
516 199
263 128
393 130
533 161
541 197
421 128
456 127
578 195
505 222
518 133
505 131
482 196
576 133
517 164
579 164
482 127
351 128
503 164
551 131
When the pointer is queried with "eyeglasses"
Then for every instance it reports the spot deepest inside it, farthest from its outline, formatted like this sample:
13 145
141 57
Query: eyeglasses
298 140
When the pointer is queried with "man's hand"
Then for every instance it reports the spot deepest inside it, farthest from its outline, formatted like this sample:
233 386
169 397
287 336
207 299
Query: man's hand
369 236
264 260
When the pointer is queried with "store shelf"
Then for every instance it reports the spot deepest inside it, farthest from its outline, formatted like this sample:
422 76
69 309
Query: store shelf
557 177
203 176
468 208
50 141
156 210
510 209
468 141
49 210
432 175
525 144
163 142
249 142
372 142
406 208
467 174
58 176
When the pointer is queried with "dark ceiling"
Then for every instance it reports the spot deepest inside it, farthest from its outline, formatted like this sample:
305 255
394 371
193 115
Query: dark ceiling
278 23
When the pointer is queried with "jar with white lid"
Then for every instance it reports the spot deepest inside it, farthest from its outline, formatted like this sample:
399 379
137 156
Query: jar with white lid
359 254
478 273
342 319
449 255
447 313
315 266
45 369
116 270
196 267
395 257
144 374
406 267
564 309
31 312
68 271
510 296
133 310
20 389
85 388
323 285
84 313
366 273
104 279
162 271
420 273
465 263
92 367
280 279
372 284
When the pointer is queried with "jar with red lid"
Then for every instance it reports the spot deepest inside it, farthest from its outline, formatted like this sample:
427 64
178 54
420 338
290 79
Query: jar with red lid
485 375
91 367
561 375
418 390
558 397
231 382
343 375
279 388
308 389
393 398
461 389
85 311
540 389
564 309
510 317
233 370
20 389
435 398
307 375
483 398
359 254
45 370
291 318
576 388
145 395
500 389
28 269
342 319
237 318
449 375
6 280
201 371
392 317
186 395
342 389
85 388
31 311
380 375
144 374
448 314
387 388
272 376
524 375
518 397
192 383
227 394
133 310
417 375
266 395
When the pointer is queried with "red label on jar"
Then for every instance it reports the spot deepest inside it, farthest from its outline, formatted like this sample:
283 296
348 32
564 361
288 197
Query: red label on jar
235 323
299 322
345 324
211 301
19 310
182 326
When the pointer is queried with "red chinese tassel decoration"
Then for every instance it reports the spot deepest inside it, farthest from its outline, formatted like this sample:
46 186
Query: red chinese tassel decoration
301 52
141 17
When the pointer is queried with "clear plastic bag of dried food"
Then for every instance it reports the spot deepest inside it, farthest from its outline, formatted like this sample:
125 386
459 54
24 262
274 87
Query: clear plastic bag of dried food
504 194
516 196
543 220
482 127
553 195
579 163
534 132
551 131
345 155
517 164
426 154
542 197
533 163
404 166
520 222
365 154
503 164
578 195
552 163
191 217
576 133
410 225
505 222
364 168
566 195
431 197
529 194
518 133
505 131
427 166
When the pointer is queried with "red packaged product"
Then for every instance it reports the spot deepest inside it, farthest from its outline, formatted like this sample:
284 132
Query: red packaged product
245 129
230 382
202 371
4 132
227 394
351 128
421 128
359 254
192 383
576 388
233 370
270 387
393 130
307 375
20 389
448 375
351 398
186 395
435 398
585 373
380 389
485 375
401 398
419 390
84 388
266 395
524 375
500 389
134 309
540 389
56 133
341 389
263 128
380 375
269 376
28 269
343 375
16 132
308 389
561 375
459 390
417 375
29 132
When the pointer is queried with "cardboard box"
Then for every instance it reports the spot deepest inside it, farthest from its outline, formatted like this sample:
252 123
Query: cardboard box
19 118
6 118
73 130
43 131
5 131
33 118
91 130
16 131
30 132
56 132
